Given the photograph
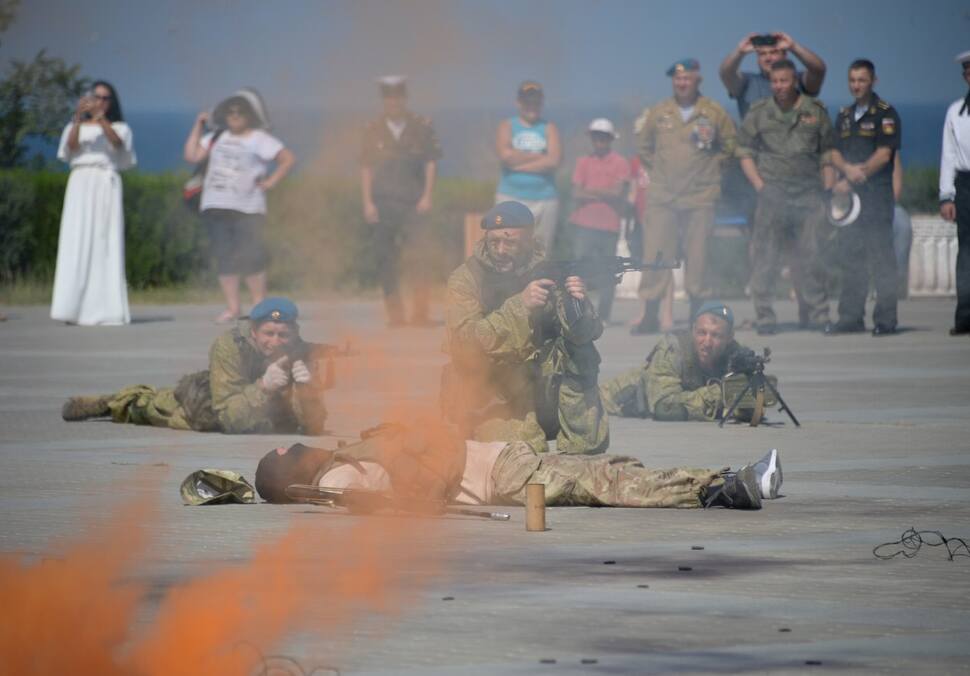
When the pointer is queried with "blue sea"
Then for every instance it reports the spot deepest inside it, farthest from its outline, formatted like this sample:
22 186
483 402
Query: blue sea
328 139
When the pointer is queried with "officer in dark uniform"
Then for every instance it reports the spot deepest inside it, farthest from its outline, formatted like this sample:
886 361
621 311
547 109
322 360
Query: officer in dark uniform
398 167
867 139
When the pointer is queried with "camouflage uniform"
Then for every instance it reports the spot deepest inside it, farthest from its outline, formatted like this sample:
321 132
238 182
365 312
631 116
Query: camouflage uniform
672 385
226 398
684 161
603 481
516 374
789 149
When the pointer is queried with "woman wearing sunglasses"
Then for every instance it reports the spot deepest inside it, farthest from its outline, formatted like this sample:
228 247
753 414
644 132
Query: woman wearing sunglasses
240 153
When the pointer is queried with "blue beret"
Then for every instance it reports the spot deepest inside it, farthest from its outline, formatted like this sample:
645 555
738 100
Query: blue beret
716 308
508 215
682 66
274 309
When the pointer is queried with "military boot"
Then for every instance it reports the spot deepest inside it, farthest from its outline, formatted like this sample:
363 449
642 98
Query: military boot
82 408
740 490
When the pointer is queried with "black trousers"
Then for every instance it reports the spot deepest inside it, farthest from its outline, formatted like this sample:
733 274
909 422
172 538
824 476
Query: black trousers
867 246
961 319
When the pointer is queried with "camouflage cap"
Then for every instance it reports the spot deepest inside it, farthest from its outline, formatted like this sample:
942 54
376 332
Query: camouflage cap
217 487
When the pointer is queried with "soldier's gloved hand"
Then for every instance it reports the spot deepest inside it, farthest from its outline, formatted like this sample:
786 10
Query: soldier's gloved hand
276 376
300 372
536 294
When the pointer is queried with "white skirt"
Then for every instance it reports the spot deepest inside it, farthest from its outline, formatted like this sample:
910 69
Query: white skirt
89 281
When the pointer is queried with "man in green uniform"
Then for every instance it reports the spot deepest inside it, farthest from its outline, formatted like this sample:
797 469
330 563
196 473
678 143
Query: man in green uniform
684 375
784 145
261 378
428 466
398 168
683 145
523 364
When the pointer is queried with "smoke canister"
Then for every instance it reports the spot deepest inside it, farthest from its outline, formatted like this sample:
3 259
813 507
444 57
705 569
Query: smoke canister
535 507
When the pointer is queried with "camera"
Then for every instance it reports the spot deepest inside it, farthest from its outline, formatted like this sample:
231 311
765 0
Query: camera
764 40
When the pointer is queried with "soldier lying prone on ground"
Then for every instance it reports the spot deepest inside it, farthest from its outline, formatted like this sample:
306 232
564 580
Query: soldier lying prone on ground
686 376
430 462
261 378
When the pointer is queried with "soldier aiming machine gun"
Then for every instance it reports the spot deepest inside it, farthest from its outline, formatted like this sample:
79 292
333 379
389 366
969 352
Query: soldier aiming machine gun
748 363
593 268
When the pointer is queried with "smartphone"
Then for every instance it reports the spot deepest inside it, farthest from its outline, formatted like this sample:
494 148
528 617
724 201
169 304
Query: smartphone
764 40
88 96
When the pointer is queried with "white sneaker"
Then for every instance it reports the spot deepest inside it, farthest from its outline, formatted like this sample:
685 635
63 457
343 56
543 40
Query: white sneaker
768 471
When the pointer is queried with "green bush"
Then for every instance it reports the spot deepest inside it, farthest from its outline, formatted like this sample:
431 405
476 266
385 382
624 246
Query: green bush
921 190
313 230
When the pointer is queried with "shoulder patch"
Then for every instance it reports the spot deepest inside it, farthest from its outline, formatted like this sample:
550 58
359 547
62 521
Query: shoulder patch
760 103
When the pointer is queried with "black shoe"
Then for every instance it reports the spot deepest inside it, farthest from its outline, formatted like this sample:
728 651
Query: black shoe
739 491
960 331
884 331
766 329
839 328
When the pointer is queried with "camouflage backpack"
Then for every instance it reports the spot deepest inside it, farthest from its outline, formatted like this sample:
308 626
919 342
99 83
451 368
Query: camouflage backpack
195 397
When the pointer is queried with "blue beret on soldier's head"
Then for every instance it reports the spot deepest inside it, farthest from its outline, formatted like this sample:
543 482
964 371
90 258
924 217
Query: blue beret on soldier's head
716 308
684 65
507 215
274 309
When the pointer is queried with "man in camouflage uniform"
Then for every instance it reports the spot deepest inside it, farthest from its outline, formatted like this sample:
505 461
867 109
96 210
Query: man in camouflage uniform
262 378
523 364
684 375
785 144
398 168
683 145
429 463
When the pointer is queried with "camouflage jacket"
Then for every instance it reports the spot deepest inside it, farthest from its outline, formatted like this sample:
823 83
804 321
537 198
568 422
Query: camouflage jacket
497 345
241 406
677 387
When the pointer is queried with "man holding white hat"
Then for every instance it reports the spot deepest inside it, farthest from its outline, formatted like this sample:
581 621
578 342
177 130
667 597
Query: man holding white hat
684 144
955 193
600 182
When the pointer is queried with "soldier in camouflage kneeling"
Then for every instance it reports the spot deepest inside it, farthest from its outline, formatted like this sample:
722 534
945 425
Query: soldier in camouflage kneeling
262 377
686 376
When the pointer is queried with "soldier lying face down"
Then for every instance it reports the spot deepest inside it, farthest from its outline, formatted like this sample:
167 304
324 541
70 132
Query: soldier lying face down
684 377
430 462
262 377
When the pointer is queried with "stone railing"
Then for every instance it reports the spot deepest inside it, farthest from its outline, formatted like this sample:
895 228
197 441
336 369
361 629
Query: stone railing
933 257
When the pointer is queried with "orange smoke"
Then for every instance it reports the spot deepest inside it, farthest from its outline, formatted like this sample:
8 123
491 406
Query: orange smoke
75 614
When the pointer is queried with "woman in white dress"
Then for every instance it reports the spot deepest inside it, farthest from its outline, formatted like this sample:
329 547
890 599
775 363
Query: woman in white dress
89 281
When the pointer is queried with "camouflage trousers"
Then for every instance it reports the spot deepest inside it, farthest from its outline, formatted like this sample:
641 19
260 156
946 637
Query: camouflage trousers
600 481
573 415
144 405
796 227
626 395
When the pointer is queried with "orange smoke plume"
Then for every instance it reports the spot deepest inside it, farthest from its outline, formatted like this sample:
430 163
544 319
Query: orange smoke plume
75 615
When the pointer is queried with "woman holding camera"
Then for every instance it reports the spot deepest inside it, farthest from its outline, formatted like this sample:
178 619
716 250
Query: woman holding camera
239 153
89 281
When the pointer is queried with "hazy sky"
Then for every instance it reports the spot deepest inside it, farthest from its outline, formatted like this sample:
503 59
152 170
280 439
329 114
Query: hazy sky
179 54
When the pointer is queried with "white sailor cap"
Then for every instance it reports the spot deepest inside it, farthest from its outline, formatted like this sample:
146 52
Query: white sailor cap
392 85
963 57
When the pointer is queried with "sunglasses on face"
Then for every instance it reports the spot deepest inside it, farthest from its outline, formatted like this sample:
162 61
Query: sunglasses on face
234 111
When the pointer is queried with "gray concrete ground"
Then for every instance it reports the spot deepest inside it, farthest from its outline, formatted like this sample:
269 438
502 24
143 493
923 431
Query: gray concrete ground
883 447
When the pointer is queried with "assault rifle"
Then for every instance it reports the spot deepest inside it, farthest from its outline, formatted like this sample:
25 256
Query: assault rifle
591 269
362 501
316 354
